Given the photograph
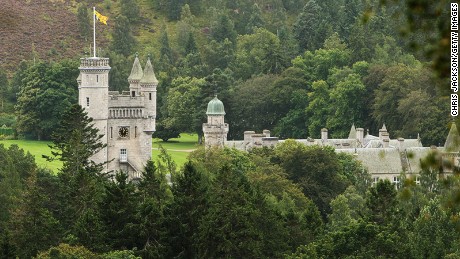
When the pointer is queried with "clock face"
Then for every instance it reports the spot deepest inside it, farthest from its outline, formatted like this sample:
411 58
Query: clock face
123 132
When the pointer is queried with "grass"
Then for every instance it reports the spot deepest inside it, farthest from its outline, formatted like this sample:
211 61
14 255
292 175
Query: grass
37 149
178 148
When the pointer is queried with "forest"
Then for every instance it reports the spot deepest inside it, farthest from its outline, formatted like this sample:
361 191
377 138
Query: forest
290 66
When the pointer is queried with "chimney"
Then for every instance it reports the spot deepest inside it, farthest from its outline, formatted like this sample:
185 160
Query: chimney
401 144
247 136
382 131
385 139
360 135
323 134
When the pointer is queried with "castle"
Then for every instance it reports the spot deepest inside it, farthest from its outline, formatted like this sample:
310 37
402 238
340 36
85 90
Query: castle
384 158
126 120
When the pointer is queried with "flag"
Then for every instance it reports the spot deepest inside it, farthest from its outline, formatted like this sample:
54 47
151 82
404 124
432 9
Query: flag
103 19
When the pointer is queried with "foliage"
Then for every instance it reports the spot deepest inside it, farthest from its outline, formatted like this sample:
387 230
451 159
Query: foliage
83 21
75 141
67 251
123 40
46 91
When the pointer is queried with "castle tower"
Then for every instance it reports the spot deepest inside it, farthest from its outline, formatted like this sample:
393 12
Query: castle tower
148 88
215 130
93 95
127 119
135 77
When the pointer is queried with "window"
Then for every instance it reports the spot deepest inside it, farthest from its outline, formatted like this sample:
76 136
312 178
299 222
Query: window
87 101
135 131
111 132
123 155
133 93
396 181
150 96
97 78
375 180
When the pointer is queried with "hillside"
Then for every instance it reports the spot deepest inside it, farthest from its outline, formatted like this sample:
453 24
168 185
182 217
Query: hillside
44 27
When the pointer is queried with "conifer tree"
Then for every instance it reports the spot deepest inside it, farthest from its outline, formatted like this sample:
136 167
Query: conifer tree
153 191
123 40
83 21
74 142
186 211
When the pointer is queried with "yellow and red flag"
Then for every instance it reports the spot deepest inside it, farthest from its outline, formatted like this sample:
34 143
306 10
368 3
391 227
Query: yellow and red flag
103 19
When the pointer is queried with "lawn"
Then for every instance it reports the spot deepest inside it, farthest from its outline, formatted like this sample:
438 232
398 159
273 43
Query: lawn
37 149
178 148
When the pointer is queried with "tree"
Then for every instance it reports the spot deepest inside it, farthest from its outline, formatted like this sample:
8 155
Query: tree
347 98
130 10
381 202
255 19
155 196
316 169
258 53
224 29
35 226
123 40
75 141
66 251
83 21
166 53
46 90
16 167
164 132
185 105
118 209
316 112
310 29
185 213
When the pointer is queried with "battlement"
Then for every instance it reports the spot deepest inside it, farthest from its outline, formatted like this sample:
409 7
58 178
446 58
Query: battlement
94 63
126 101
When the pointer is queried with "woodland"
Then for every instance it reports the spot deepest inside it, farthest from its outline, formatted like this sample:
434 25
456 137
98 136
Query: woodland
290 66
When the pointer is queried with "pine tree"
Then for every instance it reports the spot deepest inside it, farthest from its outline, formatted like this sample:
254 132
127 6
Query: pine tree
119 208
75 141
83 21
123 40
190 192
130 10
153 191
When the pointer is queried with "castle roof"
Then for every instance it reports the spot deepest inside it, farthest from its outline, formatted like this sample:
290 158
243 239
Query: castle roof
453 140
215 107
149 75
136 71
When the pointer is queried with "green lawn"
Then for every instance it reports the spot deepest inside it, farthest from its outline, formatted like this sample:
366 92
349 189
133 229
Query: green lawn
178 148
37 149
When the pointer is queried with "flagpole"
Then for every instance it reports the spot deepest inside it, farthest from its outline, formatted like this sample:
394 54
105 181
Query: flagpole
94 30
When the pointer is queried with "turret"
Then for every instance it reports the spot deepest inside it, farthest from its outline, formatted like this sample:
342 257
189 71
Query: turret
93 95
452 143
148 86
135 77
215 130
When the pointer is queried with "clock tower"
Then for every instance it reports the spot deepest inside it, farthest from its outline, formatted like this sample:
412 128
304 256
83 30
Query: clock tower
126 119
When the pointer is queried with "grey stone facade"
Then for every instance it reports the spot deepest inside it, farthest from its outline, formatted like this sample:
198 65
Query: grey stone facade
127 119
384 158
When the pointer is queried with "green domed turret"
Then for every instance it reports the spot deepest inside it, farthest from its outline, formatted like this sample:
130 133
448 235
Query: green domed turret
215 107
